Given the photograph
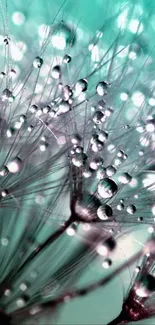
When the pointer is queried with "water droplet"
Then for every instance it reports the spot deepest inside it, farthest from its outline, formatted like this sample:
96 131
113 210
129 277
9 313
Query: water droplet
95 163
22 118
137 269
99 117
79 149
4 193
120 206
99 34
150 126
15 165
46 109
38 62
104 212
63 36
67 92
101 88
78 160
81 86
56 72
106 247
85 208
131 209
2 75
7 292
64 107
43 146
6 40
108 112
145 285
107 263
110 171
100 174
71 231
4 171
7 95
76 139
12 73
101 104
102 136
20 302
67 58
125 178
87 173
34 108
107 188
23 286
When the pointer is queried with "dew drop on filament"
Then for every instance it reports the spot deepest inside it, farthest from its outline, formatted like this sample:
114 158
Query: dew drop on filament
107 188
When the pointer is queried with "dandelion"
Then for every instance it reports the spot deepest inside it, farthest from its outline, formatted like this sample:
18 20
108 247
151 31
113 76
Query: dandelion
76 162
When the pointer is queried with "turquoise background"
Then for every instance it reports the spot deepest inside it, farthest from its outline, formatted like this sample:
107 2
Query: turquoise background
104 304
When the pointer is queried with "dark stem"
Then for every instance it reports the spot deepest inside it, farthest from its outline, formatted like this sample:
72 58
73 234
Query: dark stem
120 319
92 287
50 240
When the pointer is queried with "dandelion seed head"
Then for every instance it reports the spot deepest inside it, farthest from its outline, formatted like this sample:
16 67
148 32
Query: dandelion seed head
77 108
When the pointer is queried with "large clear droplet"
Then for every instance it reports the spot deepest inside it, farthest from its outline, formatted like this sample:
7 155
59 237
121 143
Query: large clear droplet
125 178
63 36
107 188
85 208
104 212
145 285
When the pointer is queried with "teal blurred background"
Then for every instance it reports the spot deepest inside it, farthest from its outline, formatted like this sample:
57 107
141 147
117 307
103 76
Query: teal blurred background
25 18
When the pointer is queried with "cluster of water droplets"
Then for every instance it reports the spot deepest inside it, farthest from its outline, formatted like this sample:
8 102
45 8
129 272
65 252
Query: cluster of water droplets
69 136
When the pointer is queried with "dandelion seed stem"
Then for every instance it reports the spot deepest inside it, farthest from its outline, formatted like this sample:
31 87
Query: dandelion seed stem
48 242
120 319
